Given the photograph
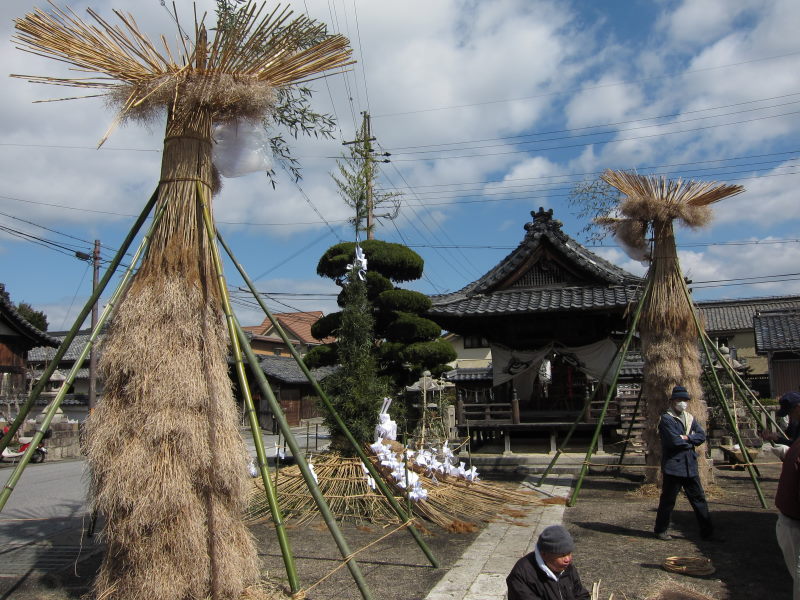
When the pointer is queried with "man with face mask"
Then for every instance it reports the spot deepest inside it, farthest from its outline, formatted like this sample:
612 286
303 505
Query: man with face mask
787 498
680 433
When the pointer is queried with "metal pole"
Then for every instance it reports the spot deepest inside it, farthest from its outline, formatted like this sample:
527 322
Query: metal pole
623 351
62 349
332 411
272 499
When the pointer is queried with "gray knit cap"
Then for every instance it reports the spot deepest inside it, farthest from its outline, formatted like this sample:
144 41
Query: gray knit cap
556 540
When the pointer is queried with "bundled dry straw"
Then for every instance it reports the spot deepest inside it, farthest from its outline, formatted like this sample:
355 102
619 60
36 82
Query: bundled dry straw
452 503
168 466
667 326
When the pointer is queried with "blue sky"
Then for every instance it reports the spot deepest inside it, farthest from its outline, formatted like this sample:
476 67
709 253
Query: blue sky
490 110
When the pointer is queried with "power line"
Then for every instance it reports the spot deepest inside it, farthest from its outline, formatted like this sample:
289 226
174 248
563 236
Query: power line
585 88
617 123
596 173
596 142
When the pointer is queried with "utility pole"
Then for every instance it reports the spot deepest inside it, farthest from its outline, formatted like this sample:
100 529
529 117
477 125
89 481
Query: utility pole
93 353
366 153
368 172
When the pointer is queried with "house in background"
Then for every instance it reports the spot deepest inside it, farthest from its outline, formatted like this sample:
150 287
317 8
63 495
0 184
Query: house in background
730 323
17 338
292 389
76 402
777 335
264 338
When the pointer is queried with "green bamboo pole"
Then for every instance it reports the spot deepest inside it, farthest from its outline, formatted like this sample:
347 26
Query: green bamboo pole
623 351
564 442
630 427
313 488
332 411
568 437
56 403
724 402
272 499
746 392
62 349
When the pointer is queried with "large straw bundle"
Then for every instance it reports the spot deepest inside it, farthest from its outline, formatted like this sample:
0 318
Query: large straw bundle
168 465
452 502
669 336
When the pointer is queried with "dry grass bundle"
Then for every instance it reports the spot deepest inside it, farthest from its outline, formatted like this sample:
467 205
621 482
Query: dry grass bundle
652 199
232 76
167 462
668 325
669 590
452 503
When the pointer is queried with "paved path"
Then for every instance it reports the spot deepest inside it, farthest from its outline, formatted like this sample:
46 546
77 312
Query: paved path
480 573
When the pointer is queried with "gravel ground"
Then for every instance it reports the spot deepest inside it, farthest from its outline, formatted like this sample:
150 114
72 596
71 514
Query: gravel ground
613 522
612 525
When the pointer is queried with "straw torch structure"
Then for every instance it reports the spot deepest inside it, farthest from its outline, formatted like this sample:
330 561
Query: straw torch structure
668 325
168 466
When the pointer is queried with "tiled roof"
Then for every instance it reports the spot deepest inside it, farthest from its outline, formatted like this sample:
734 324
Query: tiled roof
777 330
43 354
297 326
602 284
286 369
19 323
539 300
469 374
737 315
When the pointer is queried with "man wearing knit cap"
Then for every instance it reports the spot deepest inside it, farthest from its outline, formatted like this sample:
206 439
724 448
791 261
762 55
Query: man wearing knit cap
680 434
547 573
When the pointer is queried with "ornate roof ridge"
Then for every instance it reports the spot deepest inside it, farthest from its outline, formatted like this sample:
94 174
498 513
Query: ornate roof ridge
543 225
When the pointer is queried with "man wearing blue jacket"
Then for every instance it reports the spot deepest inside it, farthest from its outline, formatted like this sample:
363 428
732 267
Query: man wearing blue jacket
680 434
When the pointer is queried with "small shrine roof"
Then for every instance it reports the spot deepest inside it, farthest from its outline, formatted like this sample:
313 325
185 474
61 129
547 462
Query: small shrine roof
548 271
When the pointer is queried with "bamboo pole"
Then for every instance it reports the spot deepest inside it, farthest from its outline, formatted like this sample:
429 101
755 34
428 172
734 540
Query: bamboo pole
623 350
277 518
404 517
62 349
13 479
565 441
630 427
724 403
747 394
313 488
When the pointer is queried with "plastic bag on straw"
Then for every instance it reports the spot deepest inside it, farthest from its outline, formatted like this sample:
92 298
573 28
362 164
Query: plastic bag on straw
240 148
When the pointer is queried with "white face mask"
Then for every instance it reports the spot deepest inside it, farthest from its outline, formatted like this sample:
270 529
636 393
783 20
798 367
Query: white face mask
681 406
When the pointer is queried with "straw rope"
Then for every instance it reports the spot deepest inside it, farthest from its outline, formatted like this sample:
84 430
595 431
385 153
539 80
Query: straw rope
352 555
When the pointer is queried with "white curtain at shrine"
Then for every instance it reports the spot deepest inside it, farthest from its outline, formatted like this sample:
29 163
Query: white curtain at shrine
523 365
594 359
520 365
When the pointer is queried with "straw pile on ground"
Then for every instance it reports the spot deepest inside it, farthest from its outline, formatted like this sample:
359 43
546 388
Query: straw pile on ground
668 331
452 503
168 466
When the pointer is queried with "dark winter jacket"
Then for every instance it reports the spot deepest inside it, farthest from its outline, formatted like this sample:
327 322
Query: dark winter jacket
528 582
678 457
